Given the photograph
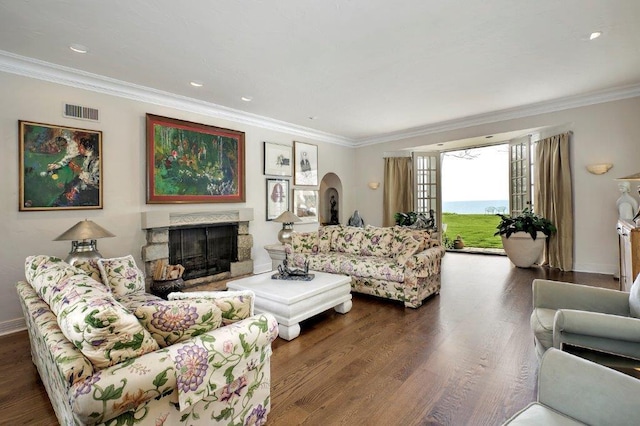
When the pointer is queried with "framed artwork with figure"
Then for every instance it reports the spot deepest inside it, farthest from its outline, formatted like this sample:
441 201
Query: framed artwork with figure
305 204
193 163
60 167
277 197
277 159
306 164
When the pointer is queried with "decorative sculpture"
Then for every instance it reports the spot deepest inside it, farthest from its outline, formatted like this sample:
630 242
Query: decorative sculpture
286 273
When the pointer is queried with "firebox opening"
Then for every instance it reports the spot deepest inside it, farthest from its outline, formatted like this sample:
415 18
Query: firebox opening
203 250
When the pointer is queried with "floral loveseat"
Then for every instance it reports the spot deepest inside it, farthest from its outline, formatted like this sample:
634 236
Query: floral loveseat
397 263
112 354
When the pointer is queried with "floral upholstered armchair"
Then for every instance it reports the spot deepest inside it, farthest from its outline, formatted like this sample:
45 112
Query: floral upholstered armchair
396 263
109 353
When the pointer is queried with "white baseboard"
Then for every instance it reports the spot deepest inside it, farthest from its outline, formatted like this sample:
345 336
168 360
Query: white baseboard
596 268
12 326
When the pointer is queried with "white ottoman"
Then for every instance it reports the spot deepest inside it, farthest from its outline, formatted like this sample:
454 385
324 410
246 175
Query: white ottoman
292 301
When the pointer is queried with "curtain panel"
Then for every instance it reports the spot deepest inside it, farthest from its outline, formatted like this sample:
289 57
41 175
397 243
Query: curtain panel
398 188
554 198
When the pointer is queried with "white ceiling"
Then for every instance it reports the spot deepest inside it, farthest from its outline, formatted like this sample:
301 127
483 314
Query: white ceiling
362 68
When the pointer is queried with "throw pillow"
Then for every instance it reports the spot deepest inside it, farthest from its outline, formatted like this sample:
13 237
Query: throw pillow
235 305
634 298
304 242
173 321
121 275
90 267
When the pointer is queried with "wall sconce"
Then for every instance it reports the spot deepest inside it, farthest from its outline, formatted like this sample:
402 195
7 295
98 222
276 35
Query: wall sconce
287 219
374 185
599 169
83 236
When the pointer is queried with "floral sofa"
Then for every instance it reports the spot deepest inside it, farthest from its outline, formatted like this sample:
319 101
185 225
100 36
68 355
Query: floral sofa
108 353
397 262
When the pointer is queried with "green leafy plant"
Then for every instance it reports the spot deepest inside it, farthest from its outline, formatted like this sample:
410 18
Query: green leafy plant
527 221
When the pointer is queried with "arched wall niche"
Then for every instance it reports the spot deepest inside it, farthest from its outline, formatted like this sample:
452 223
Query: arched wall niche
330 185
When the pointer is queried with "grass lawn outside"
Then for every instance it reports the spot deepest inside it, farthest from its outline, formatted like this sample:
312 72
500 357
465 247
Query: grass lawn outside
476 230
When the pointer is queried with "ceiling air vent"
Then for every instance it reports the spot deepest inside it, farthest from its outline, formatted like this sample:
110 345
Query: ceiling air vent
80 112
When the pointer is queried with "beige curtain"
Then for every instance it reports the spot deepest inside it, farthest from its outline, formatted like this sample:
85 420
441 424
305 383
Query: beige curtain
398 188
554 198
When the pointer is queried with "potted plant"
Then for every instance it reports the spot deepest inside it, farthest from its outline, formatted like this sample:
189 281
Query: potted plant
523 236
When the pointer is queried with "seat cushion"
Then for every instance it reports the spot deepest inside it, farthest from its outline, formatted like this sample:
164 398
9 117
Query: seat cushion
376 241
234 305
542 326
536 414
379 268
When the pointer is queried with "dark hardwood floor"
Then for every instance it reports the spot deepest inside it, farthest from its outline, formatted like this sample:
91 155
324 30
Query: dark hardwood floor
465 357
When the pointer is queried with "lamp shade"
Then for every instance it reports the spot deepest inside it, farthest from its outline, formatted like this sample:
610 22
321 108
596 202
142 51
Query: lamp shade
287 217
635 176
84 230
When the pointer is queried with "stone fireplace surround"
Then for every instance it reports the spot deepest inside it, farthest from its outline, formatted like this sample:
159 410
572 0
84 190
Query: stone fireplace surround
157 225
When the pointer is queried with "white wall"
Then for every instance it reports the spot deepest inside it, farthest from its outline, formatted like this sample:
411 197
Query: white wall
123 155
607 132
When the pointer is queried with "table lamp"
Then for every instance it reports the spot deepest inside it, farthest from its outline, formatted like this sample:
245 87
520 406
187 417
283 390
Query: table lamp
634 177
287 219
83 236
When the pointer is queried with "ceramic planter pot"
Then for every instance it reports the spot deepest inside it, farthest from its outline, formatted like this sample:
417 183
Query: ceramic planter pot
522 250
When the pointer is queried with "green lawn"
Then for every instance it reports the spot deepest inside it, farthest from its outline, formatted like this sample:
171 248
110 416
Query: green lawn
476 230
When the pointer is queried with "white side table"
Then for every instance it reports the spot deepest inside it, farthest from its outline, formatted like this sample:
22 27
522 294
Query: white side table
277 254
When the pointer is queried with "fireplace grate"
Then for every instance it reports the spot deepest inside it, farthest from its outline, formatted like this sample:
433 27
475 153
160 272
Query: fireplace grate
204 250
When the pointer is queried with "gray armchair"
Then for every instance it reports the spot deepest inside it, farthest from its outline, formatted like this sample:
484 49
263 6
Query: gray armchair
592 318
573 391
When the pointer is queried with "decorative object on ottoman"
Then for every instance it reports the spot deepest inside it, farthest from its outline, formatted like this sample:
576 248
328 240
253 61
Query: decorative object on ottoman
287 219
523 236
286 273
83 236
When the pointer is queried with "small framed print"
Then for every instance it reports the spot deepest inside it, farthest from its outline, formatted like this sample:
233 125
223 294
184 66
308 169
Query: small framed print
306 166
277 197
305 204
277 159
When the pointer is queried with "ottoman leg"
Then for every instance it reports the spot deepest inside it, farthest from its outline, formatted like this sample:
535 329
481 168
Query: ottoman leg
344 307
288 332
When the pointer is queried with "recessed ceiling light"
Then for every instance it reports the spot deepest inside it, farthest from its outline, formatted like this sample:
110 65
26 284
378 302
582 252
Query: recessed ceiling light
79 48
196 83
247 98
488 137
595 35
440 144
312 117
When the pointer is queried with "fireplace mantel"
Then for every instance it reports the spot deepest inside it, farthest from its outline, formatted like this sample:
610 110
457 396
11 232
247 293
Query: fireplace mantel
164 219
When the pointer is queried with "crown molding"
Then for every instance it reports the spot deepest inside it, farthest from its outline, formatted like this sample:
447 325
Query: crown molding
59 74
555 105
34 68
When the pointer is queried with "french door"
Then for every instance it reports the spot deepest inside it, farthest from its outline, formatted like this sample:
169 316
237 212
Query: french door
426 166
520 175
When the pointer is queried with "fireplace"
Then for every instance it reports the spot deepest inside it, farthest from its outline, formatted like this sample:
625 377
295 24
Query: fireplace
212 246
203 250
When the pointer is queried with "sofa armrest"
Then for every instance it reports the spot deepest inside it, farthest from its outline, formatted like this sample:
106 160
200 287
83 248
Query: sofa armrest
602 332
426 263
585 391
560 295
123 387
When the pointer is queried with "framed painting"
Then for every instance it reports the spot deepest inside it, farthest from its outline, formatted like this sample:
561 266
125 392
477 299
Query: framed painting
60 167
306 164
305 204
193 163
277 197
277 159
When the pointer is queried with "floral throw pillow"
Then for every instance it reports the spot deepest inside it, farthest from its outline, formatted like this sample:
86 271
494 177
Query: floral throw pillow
122 275
90 267
174 321
235 305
